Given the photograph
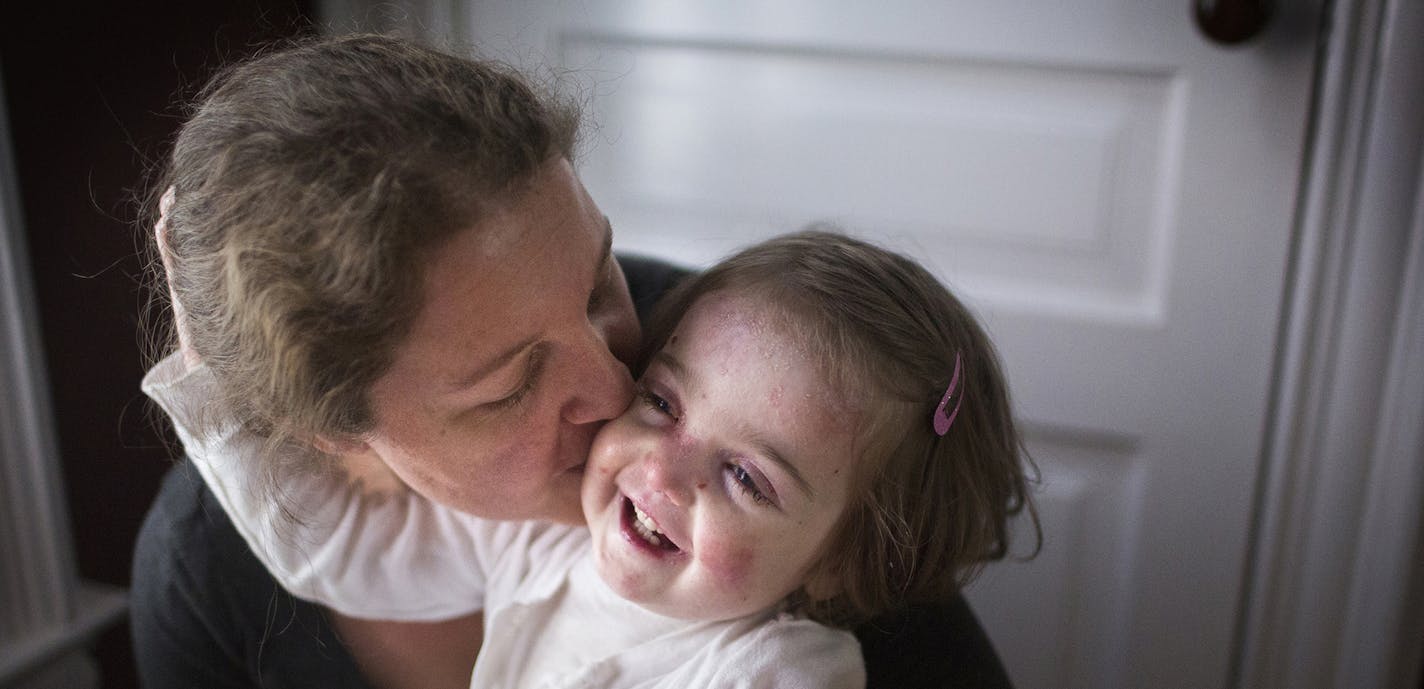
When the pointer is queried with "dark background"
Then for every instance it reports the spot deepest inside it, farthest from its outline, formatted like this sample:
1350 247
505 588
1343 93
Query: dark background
94 94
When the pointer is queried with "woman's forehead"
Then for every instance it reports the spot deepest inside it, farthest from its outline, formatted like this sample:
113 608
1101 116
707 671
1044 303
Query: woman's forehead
516 275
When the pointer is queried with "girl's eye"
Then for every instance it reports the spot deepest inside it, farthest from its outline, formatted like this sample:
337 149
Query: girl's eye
656 402
747 484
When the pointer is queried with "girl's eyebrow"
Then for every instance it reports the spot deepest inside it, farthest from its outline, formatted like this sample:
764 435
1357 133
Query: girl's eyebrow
752 437
671 362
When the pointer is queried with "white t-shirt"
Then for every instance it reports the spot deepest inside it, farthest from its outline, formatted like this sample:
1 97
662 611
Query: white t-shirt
549 620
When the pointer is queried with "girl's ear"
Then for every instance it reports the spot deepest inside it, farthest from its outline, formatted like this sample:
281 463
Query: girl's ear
822 585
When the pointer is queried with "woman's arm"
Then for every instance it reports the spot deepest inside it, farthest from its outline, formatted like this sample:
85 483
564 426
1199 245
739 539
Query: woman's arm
391 555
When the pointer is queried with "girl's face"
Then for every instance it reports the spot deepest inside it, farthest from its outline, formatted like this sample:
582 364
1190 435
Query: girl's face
710 497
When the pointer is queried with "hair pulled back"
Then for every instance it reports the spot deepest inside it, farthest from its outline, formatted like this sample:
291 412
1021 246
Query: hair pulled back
926 512
311 184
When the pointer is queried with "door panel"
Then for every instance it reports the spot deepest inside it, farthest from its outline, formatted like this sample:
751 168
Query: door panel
1109 191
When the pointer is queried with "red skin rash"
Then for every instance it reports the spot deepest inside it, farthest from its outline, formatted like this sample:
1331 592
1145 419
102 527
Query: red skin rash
730 567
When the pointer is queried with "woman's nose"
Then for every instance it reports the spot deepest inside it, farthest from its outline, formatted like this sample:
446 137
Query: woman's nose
603 387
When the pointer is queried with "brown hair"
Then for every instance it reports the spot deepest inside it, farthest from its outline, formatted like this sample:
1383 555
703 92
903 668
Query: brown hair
933 509
311 184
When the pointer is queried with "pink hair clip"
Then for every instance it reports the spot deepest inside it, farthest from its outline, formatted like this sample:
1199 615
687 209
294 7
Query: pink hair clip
942 421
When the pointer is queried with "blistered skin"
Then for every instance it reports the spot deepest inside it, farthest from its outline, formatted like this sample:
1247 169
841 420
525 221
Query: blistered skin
692 515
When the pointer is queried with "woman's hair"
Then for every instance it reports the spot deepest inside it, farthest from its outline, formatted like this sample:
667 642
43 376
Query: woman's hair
932 510
311 185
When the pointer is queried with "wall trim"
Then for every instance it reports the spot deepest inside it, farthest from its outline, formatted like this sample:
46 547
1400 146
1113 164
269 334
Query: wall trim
36 658
1330 592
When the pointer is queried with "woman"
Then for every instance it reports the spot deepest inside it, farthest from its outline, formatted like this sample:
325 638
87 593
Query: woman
386 259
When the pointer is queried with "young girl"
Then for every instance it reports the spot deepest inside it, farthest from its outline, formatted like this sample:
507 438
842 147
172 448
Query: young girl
821 434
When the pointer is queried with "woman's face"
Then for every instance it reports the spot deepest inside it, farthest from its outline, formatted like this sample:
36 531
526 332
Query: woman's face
514 362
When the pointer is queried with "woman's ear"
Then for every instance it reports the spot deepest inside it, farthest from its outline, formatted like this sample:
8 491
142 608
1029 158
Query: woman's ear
360 463
339 446
180 318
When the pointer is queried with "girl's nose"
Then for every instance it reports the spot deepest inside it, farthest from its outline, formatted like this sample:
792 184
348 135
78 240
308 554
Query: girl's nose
670 473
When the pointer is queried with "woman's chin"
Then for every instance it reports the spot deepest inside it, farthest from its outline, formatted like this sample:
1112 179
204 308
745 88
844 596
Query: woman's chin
564 505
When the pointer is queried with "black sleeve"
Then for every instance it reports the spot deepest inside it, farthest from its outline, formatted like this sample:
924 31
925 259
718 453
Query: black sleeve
204 612
648 279
939 646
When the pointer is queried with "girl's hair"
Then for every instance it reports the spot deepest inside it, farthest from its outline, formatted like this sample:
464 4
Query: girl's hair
930 510
311 185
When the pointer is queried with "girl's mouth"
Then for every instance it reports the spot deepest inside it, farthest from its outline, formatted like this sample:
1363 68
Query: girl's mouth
640 530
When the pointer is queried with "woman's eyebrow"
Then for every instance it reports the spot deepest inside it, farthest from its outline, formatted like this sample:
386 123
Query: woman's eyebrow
469 379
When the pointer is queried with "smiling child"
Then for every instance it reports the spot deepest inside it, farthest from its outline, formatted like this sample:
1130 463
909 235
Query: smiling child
821 434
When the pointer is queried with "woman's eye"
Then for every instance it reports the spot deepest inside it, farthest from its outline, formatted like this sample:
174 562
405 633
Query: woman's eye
600 290
748 484
514 398
526 385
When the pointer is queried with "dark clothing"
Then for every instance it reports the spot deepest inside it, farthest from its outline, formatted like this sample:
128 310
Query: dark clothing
939 646
648 280
206 613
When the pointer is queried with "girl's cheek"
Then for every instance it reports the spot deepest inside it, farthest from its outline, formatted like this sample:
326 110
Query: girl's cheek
729 565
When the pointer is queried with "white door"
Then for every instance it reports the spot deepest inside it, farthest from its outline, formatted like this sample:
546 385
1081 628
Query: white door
1113 194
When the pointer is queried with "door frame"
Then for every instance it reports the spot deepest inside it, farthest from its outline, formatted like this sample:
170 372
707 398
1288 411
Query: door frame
1333 595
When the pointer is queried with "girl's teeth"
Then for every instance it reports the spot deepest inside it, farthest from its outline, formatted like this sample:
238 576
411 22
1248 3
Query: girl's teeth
645 520
643 524
647 535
